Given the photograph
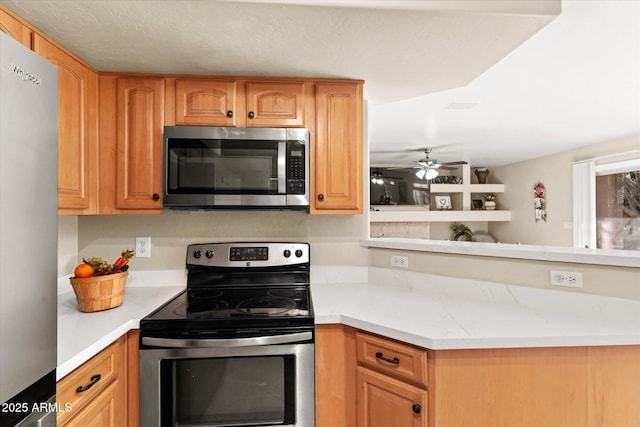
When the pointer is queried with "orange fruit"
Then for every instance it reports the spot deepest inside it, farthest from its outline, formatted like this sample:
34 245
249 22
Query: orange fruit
83 270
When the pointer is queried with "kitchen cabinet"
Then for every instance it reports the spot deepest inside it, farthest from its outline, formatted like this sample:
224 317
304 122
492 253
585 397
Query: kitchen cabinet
336 162
77 129
131 128
133 378
335 347
391 383
11 25
95 392
237 102
526 387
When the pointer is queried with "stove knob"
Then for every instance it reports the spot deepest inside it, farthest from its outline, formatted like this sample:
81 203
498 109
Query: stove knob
197 253
299 253
209 254
287 253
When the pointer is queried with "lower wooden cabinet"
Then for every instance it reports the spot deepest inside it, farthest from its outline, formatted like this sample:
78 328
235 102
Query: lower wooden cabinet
104 391
95 392
509 387
383 401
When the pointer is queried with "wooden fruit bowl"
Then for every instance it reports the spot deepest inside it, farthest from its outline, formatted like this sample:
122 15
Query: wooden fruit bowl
97 293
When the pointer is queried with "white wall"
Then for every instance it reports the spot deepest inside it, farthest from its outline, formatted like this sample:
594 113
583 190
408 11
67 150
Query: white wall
334 238
555 173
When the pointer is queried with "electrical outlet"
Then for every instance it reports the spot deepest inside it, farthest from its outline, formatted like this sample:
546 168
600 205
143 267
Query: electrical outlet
143 247
572 279
399 261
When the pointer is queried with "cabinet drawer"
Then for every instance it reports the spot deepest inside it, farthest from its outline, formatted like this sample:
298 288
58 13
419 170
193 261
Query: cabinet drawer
108 364
392 358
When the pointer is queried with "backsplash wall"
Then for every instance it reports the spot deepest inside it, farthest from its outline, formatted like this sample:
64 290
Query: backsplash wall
333 238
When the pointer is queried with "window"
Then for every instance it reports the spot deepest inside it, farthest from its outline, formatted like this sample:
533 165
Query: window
607 204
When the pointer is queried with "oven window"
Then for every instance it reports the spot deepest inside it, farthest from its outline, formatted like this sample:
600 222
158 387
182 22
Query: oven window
210 166
234 391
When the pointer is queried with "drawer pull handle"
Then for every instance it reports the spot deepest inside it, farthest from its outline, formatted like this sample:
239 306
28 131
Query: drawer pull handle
393 361
416 408
94 380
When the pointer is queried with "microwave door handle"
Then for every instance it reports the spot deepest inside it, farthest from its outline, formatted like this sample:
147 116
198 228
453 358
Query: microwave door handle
282 167
231 342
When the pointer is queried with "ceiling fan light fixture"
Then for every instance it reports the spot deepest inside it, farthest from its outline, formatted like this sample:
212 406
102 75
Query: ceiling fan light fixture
431 173
427 173
376 178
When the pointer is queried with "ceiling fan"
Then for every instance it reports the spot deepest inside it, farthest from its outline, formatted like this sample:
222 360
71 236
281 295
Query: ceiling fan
428 167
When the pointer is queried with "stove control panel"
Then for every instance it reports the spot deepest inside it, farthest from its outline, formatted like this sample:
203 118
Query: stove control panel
259 254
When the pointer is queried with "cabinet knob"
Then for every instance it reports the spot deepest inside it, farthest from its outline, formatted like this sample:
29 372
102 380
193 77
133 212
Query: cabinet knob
229 113
251 114
416 408
155 197
321 197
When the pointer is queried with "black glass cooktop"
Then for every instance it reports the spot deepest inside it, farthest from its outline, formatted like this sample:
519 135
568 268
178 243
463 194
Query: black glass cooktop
239 303
231 311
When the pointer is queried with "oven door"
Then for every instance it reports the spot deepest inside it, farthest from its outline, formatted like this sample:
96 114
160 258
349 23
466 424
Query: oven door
235 382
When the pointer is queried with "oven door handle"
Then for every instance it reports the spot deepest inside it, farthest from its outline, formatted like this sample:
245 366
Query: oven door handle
230 342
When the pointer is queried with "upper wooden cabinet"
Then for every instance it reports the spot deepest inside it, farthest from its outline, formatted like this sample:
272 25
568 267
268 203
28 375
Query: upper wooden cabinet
204 102
275 104
139 128
77 129
336 186
16 29
131 126
228 102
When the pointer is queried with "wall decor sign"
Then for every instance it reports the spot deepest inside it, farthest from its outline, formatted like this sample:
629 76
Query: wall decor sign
443 202
539 203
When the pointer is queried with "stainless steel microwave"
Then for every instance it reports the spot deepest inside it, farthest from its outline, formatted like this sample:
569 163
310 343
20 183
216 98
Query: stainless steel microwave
235 168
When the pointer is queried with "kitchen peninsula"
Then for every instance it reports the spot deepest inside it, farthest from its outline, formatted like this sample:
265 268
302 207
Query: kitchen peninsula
443 316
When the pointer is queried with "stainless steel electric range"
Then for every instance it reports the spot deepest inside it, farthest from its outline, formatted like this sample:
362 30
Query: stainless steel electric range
237 347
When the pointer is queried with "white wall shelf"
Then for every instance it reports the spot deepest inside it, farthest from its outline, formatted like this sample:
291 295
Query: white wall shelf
467 190
419 214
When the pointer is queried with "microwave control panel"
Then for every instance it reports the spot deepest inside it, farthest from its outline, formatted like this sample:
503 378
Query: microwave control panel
296 169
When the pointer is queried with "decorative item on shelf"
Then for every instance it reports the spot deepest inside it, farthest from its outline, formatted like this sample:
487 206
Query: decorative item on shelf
482 174
447 179
443 202
461 232
490 203
477 204
99 285
539 202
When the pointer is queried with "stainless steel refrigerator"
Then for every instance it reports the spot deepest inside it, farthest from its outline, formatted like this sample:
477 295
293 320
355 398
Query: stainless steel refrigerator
28 235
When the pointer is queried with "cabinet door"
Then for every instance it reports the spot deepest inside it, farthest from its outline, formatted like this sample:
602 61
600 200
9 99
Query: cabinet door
105 410
275 104
337 187
385 402
139 121
15 28
77 129
205 102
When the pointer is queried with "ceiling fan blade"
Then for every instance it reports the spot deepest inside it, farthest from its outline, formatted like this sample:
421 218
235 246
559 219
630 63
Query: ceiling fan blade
447 168
461 162
404 168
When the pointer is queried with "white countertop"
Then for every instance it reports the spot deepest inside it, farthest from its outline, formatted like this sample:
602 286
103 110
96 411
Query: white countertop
439 312
614 257
435 312
83 335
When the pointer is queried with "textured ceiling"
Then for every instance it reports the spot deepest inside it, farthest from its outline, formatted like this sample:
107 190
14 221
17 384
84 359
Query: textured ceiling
399 53
523 82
